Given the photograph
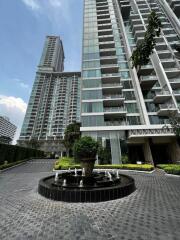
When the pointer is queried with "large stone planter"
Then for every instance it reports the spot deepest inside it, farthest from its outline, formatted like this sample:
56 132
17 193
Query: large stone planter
88 165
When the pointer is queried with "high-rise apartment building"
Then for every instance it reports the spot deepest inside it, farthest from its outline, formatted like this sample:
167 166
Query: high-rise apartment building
121 107
7 130
54 100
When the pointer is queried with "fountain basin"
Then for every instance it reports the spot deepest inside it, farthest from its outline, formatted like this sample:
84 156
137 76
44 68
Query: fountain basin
96 188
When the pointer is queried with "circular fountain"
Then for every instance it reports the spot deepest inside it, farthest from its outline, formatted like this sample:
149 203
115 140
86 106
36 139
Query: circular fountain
74 186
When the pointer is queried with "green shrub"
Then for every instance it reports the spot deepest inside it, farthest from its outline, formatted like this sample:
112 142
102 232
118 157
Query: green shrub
85 147
170 168
66 163
125 159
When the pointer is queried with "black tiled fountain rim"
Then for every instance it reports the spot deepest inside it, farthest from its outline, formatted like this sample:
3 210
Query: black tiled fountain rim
86 195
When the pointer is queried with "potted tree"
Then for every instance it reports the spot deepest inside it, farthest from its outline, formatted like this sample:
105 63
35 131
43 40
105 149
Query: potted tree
85 150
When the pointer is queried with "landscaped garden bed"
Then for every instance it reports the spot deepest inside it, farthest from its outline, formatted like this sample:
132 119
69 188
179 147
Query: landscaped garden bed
66 163
8 165
170 168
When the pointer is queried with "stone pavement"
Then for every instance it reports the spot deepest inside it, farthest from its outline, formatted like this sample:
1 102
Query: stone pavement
151 212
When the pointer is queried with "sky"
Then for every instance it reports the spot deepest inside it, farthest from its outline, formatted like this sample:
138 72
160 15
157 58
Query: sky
24 25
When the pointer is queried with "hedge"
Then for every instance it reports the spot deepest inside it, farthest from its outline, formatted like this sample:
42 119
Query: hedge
66 163
170 168
13 153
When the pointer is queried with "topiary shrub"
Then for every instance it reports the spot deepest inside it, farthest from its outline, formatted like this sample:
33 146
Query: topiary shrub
85 150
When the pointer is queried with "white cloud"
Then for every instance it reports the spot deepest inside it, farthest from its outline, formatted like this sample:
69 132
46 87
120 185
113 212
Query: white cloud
55 3
33 4
50 8
15 109
21 83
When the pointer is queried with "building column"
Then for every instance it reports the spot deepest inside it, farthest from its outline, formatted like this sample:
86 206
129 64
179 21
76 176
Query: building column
147 152
115 149
174 151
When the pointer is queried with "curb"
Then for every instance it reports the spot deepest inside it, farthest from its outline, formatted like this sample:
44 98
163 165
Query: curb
171 175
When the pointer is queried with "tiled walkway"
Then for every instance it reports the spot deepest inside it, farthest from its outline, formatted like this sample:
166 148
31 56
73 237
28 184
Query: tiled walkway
151 212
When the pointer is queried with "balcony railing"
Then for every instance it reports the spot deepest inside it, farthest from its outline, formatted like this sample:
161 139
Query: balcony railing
166 106
113 96
115 109
116 123
112 85
110 75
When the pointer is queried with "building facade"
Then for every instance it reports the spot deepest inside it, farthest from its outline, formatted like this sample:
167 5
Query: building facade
7 130
54 100
124 109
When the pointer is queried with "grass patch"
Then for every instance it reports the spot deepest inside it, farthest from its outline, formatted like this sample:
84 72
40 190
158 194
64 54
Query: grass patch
170 168
8 165
66 163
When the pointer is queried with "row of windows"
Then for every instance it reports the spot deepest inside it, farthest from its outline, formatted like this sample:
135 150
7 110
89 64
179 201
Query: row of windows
89 121
93 83
97 73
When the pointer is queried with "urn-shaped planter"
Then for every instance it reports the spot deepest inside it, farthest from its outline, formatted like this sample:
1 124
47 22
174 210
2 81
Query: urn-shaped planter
88 165
85 150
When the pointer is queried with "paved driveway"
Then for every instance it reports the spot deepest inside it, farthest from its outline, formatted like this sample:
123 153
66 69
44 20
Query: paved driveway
151 212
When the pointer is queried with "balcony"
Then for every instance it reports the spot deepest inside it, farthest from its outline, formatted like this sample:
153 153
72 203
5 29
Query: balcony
175 83
168 63
104 21
172 37
106 38
103 16
108 60
164 54
100 12
109 89
105 32
110 78
162 97
105 45
104 26
177 94
115 111
112 85
147 82
112 100
108 52
109 68
161 46
137 27
166 109
172 72
139 33
146 70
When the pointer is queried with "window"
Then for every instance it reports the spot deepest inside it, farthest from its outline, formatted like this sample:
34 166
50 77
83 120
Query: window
92 94
89 121
91 83
132 107
91 73
92 107
129 95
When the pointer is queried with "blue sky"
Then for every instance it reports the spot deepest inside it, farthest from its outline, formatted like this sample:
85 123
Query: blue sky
24 25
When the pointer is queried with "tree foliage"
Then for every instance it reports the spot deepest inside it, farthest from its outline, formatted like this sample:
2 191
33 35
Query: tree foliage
72 134
141 54
174 122
86 147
